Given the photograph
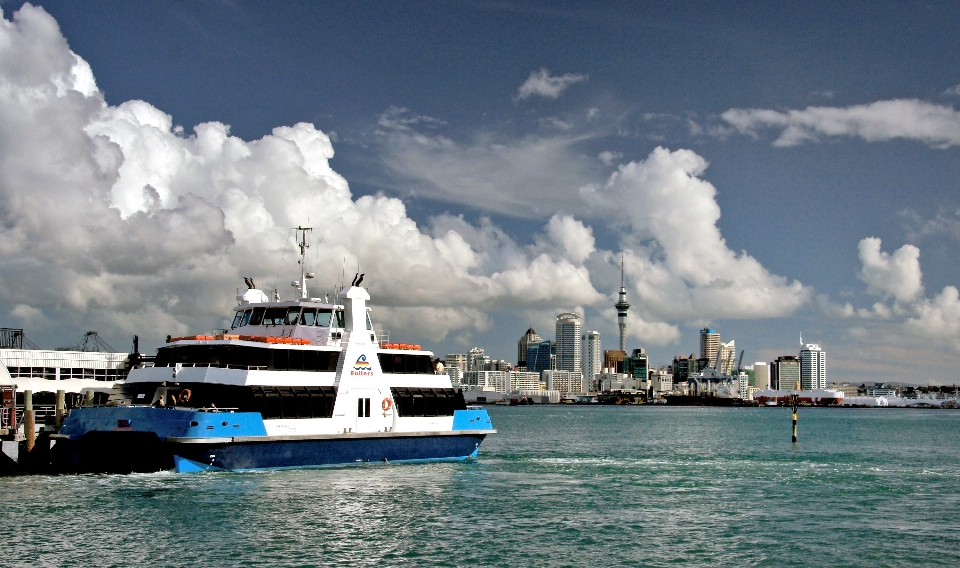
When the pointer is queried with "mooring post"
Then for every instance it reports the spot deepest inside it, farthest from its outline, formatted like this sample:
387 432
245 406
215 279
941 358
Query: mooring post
61 408
88 398
796 404
28 420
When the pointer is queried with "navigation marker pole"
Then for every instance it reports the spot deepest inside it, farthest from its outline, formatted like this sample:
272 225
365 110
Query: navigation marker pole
796 404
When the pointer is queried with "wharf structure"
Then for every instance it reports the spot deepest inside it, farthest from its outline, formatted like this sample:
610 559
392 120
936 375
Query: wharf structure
47 379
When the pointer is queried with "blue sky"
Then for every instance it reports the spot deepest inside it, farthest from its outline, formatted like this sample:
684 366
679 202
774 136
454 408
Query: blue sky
743 156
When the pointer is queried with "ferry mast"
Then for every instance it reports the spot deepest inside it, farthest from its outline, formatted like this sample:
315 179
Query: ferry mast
622 306
304 275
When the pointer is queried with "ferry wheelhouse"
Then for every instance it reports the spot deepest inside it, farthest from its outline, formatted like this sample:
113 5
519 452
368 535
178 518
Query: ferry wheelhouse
293 384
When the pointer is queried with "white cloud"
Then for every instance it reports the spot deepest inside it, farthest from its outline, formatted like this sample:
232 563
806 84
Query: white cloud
687 271
897 275
943 224
939 318
133 227
543 84
935 125
953 91
608 157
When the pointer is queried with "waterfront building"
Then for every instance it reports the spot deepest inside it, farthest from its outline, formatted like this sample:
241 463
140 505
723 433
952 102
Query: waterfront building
785 373
592 355
540 357
456 360
813 367
568 343
662 381
610 380
847 389
488 381
529 338
761 375
498 365
568 382
477 359
709 344
525 381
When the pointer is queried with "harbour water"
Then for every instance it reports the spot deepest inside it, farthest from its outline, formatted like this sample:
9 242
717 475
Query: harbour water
558 486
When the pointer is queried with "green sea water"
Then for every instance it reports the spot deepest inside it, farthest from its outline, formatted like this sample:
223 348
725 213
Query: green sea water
557 486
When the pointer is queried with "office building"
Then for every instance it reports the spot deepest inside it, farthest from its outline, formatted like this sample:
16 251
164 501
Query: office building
568 343
540 357
813 367
728 357
592 355
529 338
709 345
456 360
477 360
785 373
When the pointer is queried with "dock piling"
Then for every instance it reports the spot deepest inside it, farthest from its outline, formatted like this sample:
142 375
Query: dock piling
61 408
29 429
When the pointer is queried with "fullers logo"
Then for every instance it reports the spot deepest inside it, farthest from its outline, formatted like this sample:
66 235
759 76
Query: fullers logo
362 367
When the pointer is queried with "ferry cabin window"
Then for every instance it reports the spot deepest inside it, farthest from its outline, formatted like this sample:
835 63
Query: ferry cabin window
236 320
369 323
308 316
246 317
340 319
274 316
323 317
404 363
256 318
293 315
427 402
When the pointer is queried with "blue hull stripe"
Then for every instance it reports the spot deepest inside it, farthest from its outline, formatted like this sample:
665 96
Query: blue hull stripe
314 453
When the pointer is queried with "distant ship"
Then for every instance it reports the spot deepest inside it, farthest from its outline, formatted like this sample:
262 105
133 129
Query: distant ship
815 397
294 384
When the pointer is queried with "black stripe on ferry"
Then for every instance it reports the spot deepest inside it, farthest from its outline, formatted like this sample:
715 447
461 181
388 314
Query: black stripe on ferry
246 357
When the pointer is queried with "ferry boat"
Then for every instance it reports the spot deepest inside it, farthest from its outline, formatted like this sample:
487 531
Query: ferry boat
292 384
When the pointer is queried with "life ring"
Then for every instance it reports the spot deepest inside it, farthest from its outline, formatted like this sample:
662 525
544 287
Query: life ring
184 396
386 405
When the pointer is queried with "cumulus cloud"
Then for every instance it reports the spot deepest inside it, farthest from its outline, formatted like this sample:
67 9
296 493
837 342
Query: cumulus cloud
897 275
687 271
939 319
541 83
911 119
133 226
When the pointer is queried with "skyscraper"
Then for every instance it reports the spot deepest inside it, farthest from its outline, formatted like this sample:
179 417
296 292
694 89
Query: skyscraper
622 306
709 345
538 357
568 342
592 355
529 338
785 373
813 367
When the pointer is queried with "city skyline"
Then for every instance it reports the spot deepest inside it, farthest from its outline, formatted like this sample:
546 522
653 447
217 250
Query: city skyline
155 155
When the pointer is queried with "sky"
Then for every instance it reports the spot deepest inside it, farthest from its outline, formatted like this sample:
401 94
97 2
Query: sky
767 169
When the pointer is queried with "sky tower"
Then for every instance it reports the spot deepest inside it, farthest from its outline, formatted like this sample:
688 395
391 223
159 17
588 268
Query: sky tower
622 306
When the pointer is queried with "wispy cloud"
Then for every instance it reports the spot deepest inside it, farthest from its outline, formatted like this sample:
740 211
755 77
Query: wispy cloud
541 83
935 125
